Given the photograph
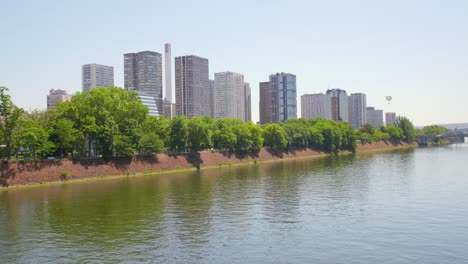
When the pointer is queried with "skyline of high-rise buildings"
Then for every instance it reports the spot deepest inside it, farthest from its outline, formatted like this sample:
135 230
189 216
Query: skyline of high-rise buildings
197 93
96 75
192 86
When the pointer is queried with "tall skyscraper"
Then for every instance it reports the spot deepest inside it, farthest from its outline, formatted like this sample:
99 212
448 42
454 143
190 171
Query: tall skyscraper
248 103
265 102
96 75
313 106
56 96
168 104
229 95
357 110
283 96
192 86
143 74
336 105
390 118
374 117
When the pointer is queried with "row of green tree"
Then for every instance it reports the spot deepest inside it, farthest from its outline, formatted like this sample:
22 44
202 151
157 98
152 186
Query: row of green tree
112 122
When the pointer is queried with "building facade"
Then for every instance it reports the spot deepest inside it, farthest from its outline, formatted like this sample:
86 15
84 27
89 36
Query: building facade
96 75
265 102
143 74
313 106
151 102
229 95
56 96
283 96
192 86
357 104
374 117
390 118
248 102
211 98
336 105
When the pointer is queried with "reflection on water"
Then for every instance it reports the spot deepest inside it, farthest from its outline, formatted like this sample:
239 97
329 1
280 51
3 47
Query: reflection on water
404 206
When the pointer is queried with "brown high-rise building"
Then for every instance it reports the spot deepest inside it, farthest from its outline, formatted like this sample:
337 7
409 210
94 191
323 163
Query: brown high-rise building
192 86
265 103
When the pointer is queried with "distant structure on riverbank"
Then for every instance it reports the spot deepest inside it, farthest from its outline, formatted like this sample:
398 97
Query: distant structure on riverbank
336 105
56 96
248 102
192 86
357 104
229 95
265 102
96 75
390 118
374 117
283 96
168 104
313 106
143 74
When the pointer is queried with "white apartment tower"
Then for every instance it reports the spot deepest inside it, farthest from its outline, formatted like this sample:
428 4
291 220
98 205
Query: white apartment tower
168 104
313 106
229 95
168 72
96 75
357 110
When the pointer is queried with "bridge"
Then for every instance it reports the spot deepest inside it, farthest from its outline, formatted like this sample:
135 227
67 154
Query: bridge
453 136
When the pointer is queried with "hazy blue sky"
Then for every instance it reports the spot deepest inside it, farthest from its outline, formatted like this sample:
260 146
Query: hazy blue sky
416 51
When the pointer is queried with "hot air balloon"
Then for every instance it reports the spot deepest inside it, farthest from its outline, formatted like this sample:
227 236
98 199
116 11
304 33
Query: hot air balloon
388 98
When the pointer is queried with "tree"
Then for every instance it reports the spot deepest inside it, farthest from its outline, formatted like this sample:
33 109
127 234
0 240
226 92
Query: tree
409 133
224 136
32 135
367 128
10 116
275 137
106 118
123 146
150 143
395 133
178 133
64 135
433 130
256 136
380 136
297 133
199 134
315 137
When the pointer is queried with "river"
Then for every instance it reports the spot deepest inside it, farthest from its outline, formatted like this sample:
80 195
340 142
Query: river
407 206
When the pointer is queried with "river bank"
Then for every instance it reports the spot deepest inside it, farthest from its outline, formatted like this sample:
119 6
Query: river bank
36 173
